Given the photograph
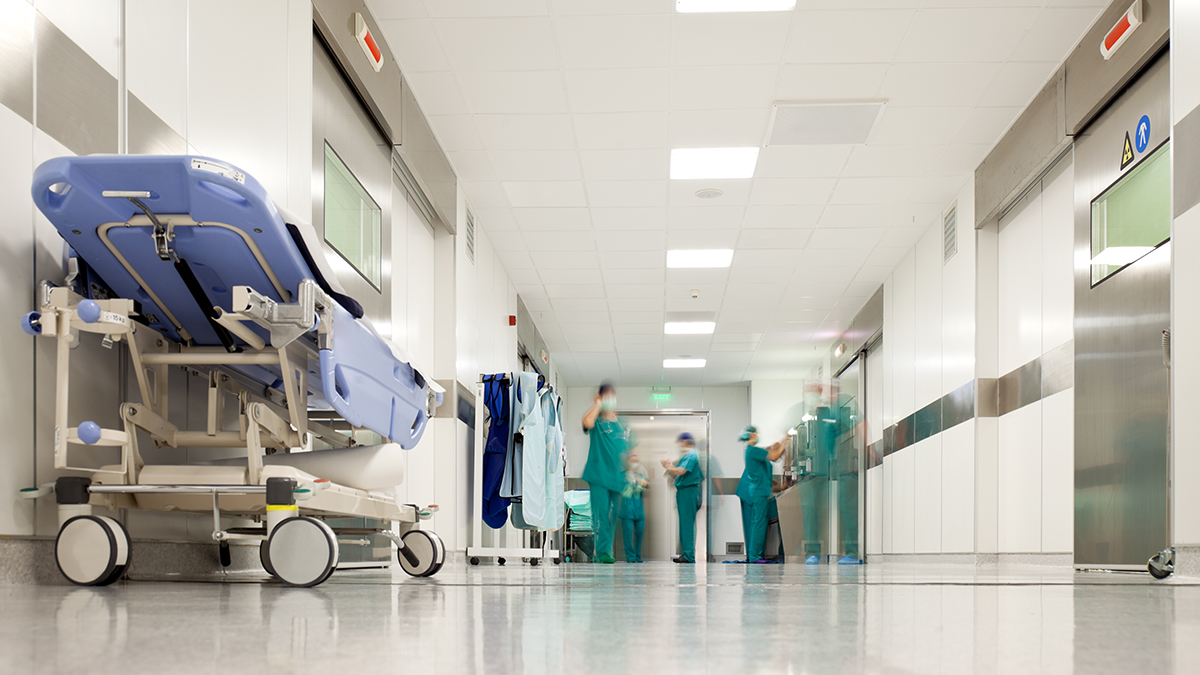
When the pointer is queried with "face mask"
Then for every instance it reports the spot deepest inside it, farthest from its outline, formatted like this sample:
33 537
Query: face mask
608 403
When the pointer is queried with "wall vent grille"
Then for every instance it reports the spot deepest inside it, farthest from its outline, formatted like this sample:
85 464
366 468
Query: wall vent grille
950 234
471 236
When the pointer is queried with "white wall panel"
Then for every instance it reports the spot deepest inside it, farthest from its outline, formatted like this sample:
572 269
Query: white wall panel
94 25
987 485
927 495
958 300
1020 279
958 488
875 510
1020 480
887 354
927 303
875 388
888 522
1058 472
1185 371
902 337
422 307
1058 250
156 58
903 501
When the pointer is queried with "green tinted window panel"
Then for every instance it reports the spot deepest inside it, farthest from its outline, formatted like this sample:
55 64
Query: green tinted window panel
1133 217
353 221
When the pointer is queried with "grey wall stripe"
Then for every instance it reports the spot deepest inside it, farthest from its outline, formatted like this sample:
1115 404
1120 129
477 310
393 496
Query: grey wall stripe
16 57
1049 374
1185 157
76 97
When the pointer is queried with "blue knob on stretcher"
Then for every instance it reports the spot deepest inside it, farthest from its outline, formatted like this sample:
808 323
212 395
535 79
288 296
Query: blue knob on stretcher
89 311
89 432
31 323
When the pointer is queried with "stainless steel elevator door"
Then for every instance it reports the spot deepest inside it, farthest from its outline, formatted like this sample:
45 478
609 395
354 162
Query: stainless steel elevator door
1120 379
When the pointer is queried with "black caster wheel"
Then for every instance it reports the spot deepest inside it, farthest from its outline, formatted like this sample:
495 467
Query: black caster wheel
558 561
428 550
92 550
534 562
226 557
301 551
474 561
262 557
500 562
1160 566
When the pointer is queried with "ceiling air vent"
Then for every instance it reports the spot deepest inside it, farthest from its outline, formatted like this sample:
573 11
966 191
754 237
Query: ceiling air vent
950 233
823 123
471 236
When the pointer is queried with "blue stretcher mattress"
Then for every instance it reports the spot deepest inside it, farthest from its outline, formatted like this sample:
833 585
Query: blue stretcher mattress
359 376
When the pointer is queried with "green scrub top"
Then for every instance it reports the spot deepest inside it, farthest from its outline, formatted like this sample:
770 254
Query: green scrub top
691 462
756 477
608 443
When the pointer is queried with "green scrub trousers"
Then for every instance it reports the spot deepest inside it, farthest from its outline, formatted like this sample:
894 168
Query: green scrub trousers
687 501
754 526
604 515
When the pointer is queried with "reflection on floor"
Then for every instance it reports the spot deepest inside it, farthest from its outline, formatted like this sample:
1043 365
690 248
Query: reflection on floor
656 618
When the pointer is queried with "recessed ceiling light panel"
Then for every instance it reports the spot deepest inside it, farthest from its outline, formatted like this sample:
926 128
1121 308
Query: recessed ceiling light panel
713 163
684 363
682 258
690 327
707 6
822 122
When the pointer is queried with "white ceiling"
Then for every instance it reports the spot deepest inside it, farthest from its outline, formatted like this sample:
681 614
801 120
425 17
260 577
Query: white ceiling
559 117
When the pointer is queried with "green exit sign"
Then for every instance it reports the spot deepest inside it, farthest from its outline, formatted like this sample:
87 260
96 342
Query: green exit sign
660 396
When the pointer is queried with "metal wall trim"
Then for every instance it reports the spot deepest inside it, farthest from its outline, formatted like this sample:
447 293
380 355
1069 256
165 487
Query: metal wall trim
987 397
76 97
1185 159
1020 387
16 57
1058 369
149 135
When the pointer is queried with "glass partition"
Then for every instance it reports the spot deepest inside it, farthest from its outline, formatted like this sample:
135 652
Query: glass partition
353 221
1133 216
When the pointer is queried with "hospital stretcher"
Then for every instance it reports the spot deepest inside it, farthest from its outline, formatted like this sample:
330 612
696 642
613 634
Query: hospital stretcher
186 261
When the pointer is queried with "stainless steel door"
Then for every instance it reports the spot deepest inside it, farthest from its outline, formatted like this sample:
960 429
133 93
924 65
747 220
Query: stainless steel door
1120 380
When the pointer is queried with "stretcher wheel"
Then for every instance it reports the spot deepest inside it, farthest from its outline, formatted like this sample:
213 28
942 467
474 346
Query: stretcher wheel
262 557
558 561
474 561
500 561
430 552
92 550
533 562
301 551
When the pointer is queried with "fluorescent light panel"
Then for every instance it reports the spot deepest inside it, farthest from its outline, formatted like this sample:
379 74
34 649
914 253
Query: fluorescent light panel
683 363
706 6
690 327
1118 255
715 257
713 163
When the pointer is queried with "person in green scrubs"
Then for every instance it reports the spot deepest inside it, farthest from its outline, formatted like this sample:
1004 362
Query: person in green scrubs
633 512
687 494
609 439
754 491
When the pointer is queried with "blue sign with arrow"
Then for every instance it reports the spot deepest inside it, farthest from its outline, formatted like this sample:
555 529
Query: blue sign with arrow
1142 136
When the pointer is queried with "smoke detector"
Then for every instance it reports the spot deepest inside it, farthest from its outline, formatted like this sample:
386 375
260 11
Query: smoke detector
709 193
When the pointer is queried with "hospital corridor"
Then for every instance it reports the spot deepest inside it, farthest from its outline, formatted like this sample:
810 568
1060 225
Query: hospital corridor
630 336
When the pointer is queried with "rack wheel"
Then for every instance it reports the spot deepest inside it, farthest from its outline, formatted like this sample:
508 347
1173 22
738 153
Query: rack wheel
262 557
500 562
533 562
92 550
1161 566
474 561
301 551
558 561
430 552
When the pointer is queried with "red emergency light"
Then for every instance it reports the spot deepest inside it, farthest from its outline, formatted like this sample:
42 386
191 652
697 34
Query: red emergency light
1129 21
367 42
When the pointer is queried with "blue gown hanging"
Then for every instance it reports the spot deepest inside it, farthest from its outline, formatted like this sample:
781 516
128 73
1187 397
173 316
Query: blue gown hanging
498 399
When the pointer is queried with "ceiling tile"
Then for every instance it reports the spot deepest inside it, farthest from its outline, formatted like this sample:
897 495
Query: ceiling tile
476 8
959 160
626 164
634 276
575 291
559 241
791 190
693 278
736 338
701 239
533 92
456 132
536 165
755 258
627 193
833 257
618 90
886 257
914 126
781 216
841 274
572 276
620 241
526 132
901 237
794 238
739 327
633 259
438 93
545 193
723 39
830 81
699 88
614 41
495 219
985 126
629 218
524 277
552 219
841 237
637 317
636 304
965 35
565 260
936 84
892 190
636 291
880 215
1017 83
415 45
472 166
718 128
891 160
513 259
684 303
524 43
814 161
847 36
399 9
735 192
873 274
618 131
705 217
632 329
485 195
589 7
1054 33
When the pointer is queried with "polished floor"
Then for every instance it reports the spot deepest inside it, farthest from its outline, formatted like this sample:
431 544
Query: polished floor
653 618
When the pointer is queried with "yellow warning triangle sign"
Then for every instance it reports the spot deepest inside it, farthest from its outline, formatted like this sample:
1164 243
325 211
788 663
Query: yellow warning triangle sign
1126 152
